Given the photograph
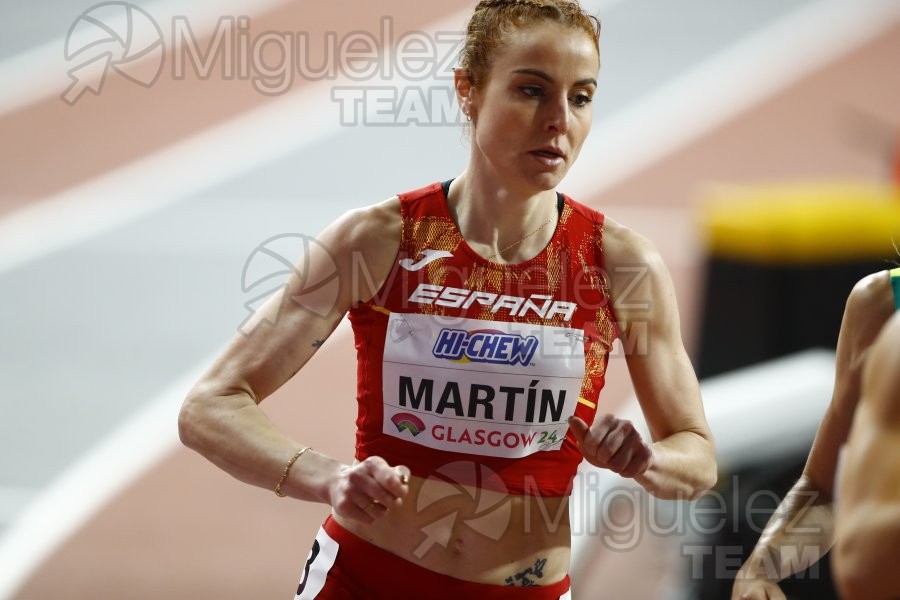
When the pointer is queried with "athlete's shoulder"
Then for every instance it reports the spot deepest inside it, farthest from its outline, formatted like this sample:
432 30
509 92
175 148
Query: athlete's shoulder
432 190
869 305
625 246
581 210
364 238
368 227
872 292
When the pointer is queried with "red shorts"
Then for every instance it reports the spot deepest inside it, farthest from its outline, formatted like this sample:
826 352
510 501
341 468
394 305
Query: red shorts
342 566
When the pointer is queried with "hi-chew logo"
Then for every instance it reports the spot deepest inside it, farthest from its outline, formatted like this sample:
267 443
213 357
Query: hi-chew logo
408 422
485 346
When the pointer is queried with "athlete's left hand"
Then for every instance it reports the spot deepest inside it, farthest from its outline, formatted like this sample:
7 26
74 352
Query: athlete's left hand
612 443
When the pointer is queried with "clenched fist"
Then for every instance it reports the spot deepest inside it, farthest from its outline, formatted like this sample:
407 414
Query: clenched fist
612 443
367 490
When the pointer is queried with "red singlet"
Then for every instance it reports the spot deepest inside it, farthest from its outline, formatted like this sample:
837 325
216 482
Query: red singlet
468 370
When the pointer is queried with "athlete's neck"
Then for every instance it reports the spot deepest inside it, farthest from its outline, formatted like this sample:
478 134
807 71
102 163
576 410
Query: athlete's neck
492 217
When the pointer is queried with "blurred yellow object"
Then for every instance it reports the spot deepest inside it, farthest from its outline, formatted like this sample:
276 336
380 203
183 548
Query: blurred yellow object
802 223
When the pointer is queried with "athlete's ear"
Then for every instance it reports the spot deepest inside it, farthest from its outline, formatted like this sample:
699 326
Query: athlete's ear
465 91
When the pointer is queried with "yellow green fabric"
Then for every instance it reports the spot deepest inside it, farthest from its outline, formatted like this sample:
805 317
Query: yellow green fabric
895 283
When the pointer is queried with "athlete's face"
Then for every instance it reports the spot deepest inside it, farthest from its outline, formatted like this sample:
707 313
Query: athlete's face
532 115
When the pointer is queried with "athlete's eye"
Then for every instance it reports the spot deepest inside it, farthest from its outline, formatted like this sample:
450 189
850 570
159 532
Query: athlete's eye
533 91
582 99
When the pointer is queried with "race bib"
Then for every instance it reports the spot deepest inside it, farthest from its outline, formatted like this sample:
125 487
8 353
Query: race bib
490 388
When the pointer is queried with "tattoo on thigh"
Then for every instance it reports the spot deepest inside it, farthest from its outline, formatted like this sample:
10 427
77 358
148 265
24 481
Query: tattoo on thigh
529 576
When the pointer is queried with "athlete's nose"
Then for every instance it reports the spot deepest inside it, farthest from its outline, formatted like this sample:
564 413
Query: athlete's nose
557 115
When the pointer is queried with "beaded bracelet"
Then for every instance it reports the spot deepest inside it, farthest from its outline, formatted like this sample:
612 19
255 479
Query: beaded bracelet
287 469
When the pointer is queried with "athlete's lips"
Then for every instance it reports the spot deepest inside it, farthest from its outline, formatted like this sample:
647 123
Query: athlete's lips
550 150
550 157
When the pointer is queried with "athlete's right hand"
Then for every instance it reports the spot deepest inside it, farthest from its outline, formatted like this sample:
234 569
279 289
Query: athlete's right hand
367 490
755 588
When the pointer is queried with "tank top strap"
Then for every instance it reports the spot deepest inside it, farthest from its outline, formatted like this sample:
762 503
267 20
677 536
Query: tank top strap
895 283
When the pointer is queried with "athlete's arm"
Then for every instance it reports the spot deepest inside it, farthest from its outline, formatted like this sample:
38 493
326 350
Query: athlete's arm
802 528
867 521
680 462
221 418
